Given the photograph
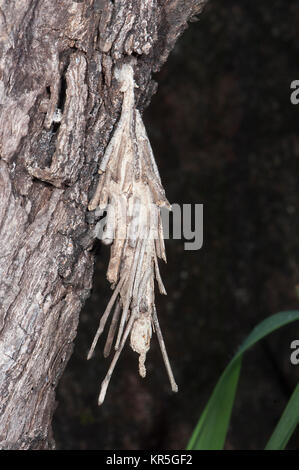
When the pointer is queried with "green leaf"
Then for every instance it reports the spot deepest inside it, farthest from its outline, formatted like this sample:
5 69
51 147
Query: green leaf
286 425
210 432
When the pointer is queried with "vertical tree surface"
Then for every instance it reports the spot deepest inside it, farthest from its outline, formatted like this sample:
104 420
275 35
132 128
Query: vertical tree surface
58 106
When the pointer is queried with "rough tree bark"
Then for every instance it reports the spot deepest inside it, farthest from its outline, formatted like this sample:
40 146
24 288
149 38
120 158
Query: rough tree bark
58 106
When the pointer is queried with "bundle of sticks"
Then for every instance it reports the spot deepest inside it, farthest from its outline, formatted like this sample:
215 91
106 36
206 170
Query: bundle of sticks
131 194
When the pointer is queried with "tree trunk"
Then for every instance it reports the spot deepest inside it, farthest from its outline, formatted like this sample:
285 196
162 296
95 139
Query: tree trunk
59 104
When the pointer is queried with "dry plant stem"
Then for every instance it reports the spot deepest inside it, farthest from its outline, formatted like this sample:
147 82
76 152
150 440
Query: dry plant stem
158 277
172 381
112 330
128 301
106 380
130 189
105 317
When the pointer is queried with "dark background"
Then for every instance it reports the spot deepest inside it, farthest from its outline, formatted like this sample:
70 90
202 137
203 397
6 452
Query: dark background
224 134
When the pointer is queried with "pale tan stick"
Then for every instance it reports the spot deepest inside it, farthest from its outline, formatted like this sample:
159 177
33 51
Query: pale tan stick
161 239
109 230
129 295
143 285
138 269
124 120
128 176
112 330
133 227
158 277
141 132
112 147
116 251
107 378
173 384
105 316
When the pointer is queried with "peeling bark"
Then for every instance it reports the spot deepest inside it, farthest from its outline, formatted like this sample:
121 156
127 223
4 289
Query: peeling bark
58 106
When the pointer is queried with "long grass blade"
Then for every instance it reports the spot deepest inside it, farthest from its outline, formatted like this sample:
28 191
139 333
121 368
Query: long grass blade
210 432
287 424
